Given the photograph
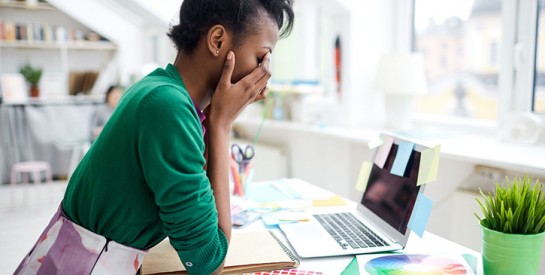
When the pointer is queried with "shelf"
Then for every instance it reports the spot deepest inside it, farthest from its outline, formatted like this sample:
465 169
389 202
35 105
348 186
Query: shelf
61 100
71 45
26 6
91 45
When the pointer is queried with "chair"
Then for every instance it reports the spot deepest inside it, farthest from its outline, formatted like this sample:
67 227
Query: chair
31 167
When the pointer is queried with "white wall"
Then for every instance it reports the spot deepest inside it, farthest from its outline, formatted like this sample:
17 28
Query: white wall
365 28
132 39
370 35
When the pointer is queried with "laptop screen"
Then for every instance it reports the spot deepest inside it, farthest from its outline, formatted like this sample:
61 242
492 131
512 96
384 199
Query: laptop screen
392 197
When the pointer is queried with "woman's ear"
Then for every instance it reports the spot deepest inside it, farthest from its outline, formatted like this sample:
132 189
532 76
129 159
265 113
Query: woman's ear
216 40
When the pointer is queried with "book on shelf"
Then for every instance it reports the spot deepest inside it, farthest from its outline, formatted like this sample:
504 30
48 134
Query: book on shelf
49 34
60 34
9 29
52 85
248 252
43 32
81 82
13 87
18 34
38 32
2 30
89 80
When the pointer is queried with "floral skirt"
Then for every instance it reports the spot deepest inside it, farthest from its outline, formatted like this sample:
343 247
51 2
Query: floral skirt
67 248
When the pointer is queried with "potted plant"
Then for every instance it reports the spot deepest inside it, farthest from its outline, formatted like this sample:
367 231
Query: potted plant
513 227
32 75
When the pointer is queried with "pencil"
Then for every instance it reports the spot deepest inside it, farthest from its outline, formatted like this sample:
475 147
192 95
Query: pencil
236 177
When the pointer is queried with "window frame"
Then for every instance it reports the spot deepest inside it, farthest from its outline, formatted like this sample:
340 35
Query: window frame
523 56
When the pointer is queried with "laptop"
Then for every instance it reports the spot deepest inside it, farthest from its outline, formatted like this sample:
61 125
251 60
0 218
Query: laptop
384 210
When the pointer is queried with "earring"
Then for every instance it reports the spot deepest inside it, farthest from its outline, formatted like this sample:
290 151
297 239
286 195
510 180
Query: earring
217 51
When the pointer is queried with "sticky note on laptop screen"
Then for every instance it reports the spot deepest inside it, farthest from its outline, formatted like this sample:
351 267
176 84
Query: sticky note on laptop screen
403 155
391 196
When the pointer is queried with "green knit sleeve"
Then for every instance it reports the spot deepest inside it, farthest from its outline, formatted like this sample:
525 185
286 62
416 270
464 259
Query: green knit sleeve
171 147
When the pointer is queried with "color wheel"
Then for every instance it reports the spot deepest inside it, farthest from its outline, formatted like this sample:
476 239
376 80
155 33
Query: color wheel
414 264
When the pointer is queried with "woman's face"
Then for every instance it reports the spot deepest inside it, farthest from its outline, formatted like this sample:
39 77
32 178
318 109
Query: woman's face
114 96
253 47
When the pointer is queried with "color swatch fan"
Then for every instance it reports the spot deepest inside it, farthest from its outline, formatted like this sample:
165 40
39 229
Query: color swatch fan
414 264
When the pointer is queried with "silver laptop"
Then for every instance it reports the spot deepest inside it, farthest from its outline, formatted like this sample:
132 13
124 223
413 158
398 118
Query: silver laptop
384 209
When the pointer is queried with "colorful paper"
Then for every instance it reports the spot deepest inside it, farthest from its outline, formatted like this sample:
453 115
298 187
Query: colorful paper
412 264
420 215
274 191
363 177
265 193
288 272
352 268
472 261
274 219
332 201
404 151
384 151
429 165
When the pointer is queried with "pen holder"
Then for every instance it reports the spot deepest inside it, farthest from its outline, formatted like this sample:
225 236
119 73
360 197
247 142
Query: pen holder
240 178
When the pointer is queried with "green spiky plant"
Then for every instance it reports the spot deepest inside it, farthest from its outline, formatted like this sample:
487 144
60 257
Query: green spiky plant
31 74
516 207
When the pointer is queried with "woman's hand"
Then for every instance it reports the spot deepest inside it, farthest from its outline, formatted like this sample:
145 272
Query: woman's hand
230 99
226 104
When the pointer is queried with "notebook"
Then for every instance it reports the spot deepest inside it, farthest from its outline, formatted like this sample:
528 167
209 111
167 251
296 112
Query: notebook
384 209
243 255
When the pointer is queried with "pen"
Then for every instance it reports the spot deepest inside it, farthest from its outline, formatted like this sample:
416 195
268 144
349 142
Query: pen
236 178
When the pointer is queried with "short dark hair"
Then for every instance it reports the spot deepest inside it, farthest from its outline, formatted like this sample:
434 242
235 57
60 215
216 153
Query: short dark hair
238 16
109 91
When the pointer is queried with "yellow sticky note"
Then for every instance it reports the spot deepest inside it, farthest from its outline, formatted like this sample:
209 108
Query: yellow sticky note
429 165
363 177
332 201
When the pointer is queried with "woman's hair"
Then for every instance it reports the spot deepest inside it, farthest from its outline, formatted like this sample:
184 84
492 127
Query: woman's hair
238 16
109 91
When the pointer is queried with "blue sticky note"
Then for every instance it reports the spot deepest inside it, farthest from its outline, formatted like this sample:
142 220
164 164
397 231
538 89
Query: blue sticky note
421 215
265 193
403 154
272 192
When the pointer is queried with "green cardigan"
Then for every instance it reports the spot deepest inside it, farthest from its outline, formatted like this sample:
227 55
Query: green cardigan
143 178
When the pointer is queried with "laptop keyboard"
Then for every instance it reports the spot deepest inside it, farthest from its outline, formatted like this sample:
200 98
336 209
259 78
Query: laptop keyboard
348 231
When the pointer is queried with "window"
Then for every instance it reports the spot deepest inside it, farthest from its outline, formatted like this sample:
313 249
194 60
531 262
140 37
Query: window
460 41
539 83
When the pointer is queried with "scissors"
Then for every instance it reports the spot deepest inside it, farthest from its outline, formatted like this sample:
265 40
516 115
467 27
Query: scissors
242 155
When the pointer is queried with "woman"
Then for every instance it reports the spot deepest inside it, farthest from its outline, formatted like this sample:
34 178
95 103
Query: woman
104 112
144 178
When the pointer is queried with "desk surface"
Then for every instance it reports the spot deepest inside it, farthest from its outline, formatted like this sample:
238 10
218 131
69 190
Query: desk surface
428 244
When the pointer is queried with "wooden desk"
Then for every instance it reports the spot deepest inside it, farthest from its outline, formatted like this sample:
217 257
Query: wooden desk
428 244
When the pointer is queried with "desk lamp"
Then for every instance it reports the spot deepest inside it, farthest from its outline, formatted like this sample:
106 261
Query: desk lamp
401 77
